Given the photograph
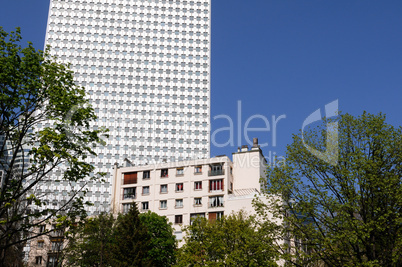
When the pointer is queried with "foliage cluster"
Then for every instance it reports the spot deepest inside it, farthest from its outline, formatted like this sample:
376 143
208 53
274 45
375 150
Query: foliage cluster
234 240
347 213
131 239
37 91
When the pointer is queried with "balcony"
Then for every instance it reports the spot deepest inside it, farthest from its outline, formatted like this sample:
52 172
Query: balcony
216 172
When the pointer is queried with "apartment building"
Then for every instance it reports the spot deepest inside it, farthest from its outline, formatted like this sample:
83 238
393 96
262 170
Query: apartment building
185 190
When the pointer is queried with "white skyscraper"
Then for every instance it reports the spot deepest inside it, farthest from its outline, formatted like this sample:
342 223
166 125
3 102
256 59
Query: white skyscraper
145 65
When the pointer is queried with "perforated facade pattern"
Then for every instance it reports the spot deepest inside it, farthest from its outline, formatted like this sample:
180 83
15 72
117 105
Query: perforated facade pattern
145 65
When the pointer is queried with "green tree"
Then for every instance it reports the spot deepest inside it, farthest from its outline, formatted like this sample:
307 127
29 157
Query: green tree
346 212
162 242
234 240
34 91
91 242
132 240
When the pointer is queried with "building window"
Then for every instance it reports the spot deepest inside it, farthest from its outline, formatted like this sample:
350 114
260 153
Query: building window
56 231
164 173
146 175
52 261
212 216
216 201
178 219
130 178
145 190
164 188
38 260
163 204
216 185
145 205
57 245
42 228
179 187
40 243
179 171
197 201
179 203
198 169
129 193
179 235
197 185
126 208
194 216
216 169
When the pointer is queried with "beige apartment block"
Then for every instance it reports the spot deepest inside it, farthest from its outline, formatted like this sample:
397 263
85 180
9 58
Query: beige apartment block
184 190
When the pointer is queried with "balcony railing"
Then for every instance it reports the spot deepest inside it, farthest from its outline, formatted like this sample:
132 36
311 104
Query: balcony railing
216 172
128 196
214 204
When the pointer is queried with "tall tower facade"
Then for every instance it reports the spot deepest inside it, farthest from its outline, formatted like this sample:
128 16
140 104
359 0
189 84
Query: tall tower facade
145 65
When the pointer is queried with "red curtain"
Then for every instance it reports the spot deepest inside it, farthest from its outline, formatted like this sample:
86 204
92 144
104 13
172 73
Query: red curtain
216 185
179 187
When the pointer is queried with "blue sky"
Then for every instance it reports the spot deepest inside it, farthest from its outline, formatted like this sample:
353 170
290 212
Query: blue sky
284 58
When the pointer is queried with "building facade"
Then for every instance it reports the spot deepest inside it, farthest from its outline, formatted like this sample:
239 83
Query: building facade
145 65
46 250
185 190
